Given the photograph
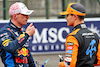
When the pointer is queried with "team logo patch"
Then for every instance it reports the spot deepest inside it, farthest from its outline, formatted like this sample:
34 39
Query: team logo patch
3 34
69 47
19 60
4 38
69 51
23 52
21 36
68 59
70 43
21 40
83 25
5 43
68 55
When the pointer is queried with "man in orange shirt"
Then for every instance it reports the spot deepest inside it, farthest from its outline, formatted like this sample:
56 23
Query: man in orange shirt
81 44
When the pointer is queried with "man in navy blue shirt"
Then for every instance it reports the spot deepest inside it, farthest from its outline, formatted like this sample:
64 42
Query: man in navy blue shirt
14 45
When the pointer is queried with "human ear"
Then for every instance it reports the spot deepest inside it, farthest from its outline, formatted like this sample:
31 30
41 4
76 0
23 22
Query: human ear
14 16
75 16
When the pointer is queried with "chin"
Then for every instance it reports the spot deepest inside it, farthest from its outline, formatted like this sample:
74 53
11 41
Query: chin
69 25
25 23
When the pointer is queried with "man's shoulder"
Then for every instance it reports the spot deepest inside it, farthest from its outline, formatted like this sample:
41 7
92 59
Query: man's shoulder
74 32
4 28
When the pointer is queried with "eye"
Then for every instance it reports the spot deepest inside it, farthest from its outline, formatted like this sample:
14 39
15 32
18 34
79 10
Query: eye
67 15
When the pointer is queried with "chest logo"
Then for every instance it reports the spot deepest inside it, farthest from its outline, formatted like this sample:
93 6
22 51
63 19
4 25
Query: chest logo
23 52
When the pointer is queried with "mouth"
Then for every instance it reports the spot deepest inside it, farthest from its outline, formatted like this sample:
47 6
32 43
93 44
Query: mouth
26 20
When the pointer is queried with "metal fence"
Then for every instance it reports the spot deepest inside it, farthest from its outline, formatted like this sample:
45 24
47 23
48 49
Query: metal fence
52 8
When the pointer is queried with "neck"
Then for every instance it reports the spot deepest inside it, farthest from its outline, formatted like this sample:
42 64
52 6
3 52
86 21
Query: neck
15 23
78 22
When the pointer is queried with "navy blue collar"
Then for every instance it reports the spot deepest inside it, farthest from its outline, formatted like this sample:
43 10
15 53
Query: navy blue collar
14 26
79 26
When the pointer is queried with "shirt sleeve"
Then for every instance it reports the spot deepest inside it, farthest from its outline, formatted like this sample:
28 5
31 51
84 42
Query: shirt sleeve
63 64
71 53
98 54
9 43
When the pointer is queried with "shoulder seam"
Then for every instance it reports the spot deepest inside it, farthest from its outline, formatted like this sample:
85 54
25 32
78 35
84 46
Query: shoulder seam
74 32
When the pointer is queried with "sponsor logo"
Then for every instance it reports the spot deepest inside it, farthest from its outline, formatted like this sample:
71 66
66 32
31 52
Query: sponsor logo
70 43
47 39
69 51
6 42
19 60
67 59
21 40
4 37
21 36
48 47
69 47
53 35
84 34
83 25
3 34
23 52
68 55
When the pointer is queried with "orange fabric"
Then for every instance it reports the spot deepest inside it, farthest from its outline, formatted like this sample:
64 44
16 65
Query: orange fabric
75 50
62 64
74 32
98 54
96 65
72 39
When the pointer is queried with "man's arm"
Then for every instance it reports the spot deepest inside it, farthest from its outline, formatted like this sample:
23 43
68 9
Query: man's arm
9 44
71 52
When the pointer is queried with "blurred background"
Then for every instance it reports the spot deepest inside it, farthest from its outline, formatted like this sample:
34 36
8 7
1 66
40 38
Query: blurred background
49 9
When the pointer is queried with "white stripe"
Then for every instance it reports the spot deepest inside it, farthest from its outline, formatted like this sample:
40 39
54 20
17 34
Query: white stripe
51 20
